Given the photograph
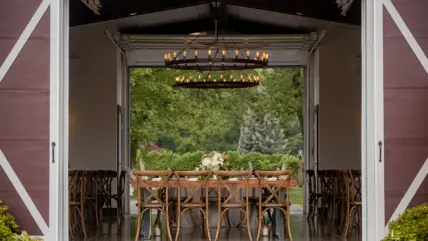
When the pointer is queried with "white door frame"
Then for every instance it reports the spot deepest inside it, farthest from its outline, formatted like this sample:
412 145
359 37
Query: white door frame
372 121
59 62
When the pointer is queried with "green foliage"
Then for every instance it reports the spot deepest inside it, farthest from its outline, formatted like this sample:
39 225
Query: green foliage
189 161
261 133
24 237
188 120
8 225
410 226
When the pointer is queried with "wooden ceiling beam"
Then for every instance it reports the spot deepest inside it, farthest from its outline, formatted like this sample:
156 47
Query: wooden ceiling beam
114 9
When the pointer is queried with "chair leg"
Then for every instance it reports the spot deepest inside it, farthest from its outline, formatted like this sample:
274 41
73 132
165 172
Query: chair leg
178 222
205 223
287 217
220 217
247 217
82 219
168 230
70 229
310 207
348 221
259 222
335 209
315 213
360 223
96 212
229 225
137 235
157 220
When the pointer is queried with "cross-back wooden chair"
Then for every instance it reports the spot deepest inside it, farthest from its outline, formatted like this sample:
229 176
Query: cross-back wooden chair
92 190
154 200
76 203
273 199
325 178
107 179
196 193
234 199
339 190
313 195
353 198
213 199
119 195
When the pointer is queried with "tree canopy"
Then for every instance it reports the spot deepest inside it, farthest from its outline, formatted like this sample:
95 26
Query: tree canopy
261 133
188 120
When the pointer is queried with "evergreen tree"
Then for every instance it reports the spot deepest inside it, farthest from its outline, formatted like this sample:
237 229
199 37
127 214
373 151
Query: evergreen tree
261 133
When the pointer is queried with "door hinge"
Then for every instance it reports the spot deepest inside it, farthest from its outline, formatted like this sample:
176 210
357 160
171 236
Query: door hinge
380 150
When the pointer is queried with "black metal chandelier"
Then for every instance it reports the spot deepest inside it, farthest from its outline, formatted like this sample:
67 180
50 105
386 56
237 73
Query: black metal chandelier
216 57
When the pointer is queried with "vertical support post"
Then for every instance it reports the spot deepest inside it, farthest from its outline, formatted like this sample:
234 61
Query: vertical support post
372 121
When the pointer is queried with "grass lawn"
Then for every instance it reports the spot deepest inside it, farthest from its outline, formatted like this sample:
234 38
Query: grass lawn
297 195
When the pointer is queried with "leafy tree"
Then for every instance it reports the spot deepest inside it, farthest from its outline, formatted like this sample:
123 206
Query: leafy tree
284 92
261 133
188 120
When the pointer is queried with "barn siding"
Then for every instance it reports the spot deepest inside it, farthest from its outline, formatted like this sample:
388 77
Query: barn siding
405 104
24 108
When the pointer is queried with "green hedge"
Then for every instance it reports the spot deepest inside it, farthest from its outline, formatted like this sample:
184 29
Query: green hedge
412 225
8 226
189 161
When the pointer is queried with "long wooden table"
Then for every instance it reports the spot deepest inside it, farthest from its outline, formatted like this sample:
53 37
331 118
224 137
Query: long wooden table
213 183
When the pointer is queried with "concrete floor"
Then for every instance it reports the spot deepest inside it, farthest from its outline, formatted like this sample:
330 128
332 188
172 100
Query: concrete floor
300 228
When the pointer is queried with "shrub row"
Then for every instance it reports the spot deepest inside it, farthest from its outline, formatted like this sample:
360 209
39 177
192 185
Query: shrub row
191 160
412 225
9 229
8 226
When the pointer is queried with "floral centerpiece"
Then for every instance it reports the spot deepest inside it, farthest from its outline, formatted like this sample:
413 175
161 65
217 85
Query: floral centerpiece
213 161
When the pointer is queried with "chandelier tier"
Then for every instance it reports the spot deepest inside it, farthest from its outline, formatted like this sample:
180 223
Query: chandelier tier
217 61
223 81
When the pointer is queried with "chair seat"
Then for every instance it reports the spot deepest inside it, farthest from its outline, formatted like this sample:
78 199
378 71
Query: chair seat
193 205
175 199
150 205
232 205
274 205
256 199
356 203
212 199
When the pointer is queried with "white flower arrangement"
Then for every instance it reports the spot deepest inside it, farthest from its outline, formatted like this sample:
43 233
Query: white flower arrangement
213 161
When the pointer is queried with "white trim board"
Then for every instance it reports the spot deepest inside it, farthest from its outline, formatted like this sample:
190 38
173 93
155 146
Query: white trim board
23 194
22 40
401 24
411 191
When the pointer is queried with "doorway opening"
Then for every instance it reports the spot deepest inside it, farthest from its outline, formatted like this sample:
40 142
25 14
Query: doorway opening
328 51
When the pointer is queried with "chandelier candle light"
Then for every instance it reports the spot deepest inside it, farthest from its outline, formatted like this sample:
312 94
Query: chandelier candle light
216 61
222 81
